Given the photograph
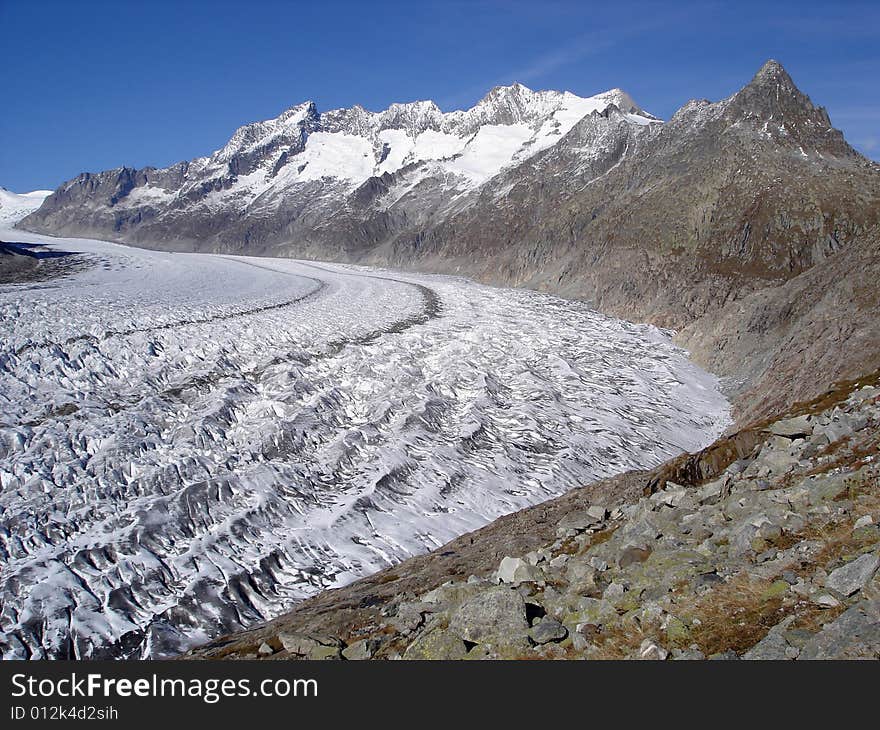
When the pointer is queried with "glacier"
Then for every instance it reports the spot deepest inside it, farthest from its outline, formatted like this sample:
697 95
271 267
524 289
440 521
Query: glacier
15 206
191 443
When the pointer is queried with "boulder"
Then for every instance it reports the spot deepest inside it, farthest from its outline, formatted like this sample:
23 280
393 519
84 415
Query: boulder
801 426
581 577
548 630
311 646
361 650
772 647
651 650
517 570
580 520
436 644
853 576
855 634
496 615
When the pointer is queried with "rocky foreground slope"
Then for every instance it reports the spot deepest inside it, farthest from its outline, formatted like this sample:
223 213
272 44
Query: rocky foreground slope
765 545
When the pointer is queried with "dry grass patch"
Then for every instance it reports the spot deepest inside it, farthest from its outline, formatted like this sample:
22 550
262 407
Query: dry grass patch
622 639
736 615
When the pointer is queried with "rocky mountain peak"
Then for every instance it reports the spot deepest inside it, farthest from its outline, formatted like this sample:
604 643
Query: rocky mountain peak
770 73
624 102
773 106
513 104
772 90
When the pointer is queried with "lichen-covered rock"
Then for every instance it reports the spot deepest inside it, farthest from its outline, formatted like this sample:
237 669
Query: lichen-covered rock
436 644
496 615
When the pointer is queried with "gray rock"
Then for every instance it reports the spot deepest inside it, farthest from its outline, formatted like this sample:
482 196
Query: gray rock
548 630
436 644
729 655
581 577
826 600
825 487
792 427
740 541
580 520
614 591
651 650
790 577
517 570
853 576
313 647
774 646
265 650
856 421
855 634
866 392
495 615
361 650
713 491
411 614
579 642
836 430
508 567
674 495
688 655
778 462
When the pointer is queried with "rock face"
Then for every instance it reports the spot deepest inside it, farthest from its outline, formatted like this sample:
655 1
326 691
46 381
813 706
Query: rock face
753 556
333 185
749 224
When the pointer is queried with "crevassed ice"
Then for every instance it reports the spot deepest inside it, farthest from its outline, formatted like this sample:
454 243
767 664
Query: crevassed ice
191 443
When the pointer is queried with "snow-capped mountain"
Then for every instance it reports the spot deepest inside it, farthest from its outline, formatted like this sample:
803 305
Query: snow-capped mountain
15 206
283 179
590 198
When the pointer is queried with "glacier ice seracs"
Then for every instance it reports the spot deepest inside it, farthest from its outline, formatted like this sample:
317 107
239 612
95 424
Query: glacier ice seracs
191 443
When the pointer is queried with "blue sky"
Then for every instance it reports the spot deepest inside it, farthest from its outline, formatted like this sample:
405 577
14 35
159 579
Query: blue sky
88 86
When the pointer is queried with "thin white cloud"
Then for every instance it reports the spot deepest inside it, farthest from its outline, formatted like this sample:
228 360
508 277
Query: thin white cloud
577 49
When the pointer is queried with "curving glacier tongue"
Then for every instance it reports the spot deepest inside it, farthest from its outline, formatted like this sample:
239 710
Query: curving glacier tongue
191 443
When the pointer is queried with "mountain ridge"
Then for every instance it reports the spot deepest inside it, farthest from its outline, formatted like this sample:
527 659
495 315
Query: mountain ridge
686 224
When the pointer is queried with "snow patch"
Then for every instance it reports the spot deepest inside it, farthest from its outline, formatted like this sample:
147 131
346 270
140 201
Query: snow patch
15 206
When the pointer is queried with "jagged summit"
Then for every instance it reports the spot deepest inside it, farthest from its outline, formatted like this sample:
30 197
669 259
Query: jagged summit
367 177
773 85
772 72
785 115
267 163
502 105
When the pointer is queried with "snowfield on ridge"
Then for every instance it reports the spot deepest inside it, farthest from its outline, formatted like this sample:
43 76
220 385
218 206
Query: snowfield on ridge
191 443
